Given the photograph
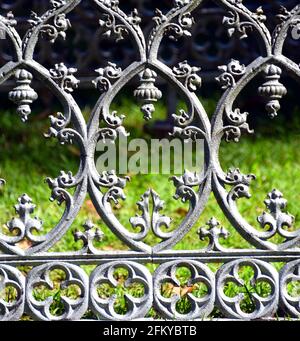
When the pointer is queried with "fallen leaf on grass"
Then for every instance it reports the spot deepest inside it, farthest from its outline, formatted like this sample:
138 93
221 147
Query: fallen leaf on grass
182 291
182 211
24 244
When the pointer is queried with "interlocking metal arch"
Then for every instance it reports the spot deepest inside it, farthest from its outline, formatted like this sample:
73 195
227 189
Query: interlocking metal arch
106 189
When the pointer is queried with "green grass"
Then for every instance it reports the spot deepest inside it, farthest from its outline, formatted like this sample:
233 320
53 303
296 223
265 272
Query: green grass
27 159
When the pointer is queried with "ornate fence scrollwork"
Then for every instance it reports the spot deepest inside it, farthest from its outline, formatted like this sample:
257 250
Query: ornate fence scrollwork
12 278
137 306
200 307
72 308
204 290
263 306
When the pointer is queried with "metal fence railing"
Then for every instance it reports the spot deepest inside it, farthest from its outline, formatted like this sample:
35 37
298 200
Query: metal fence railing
34 57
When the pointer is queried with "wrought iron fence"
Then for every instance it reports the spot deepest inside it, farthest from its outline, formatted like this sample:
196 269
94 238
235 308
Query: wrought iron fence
107 189
208 46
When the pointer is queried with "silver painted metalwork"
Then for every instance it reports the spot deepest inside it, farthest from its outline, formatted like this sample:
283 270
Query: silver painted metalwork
289 301
213 233
263 306
23 95
12 278
208 52
137 306
73 308
200 273
107 189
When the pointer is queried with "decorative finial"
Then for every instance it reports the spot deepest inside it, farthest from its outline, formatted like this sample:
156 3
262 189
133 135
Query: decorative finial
23 95
214 232
89 235
148 93
277 219
272 89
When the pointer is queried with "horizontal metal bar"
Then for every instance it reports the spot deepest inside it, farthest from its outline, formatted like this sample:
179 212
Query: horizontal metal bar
141 257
